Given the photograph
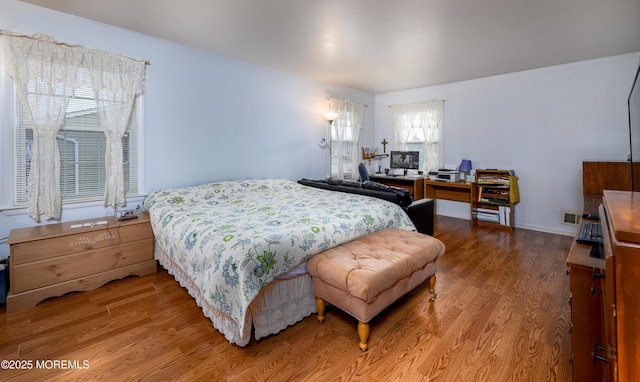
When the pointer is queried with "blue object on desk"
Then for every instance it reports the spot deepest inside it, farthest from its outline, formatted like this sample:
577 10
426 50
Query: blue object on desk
465 165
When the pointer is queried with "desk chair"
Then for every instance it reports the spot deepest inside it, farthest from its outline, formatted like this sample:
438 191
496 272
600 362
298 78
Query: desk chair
364 174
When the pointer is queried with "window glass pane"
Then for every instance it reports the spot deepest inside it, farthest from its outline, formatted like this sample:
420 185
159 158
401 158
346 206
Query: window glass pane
419 128
346 148
347 163
415 135
81 144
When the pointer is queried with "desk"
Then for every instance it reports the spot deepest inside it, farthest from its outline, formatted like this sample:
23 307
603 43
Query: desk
586 311
457 191
413 183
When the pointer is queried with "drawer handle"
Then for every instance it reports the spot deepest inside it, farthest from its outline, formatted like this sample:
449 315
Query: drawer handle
598 275
594 290
597 357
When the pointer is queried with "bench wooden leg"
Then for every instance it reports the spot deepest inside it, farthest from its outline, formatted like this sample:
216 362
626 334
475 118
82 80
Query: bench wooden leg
363 334
432 287
320 305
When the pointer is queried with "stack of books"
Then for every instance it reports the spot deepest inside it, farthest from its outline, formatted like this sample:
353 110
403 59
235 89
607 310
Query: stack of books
501 215
493 195
494 180
497 191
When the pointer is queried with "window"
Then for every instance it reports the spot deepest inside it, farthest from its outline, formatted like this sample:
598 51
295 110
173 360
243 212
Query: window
345 136
67 145
343 150
82 145
419 127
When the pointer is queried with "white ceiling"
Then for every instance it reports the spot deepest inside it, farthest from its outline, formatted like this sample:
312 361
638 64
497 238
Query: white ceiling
383 45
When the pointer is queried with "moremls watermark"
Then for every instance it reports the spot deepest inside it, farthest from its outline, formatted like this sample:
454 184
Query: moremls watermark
46 364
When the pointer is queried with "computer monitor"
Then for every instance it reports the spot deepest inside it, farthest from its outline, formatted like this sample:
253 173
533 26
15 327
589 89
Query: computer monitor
408 160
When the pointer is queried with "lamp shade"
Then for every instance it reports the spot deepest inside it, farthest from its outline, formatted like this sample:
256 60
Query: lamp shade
330 116
465 165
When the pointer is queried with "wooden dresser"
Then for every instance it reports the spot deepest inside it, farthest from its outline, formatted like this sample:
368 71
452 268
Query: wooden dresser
620 219
586 279
51 260
595 352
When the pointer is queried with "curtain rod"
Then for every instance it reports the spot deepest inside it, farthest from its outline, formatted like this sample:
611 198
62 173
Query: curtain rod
416 103
47 38
341 99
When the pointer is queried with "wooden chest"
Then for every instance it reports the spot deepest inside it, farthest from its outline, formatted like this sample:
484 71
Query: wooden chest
51 260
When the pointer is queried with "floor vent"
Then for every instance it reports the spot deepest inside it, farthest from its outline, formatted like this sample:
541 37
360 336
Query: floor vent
570 217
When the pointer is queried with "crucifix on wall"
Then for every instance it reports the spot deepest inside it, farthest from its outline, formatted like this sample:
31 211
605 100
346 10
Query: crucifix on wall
384 145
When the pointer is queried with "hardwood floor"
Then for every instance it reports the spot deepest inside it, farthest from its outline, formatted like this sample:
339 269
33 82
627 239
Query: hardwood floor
502 314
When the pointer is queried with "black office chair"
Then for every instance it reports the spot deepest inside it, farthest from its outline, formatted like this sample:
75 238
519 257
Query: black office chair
364 174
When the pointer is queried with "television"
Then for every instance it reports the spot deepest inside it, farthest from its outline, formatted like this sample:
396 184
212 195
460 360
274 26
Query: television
634 132
408 160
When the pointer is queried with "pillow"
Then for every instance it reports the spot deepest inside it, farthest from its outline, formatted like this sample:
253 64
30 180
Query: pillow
404 197
332 181
371 185
351 183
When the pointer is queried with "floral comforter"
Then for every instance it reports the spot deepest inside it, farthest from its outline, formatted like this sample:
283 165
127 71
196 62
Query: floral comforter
232 238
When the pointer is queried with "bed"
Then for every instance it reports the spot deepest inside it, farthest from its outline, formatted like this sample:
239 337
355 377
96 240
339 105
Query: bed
240 247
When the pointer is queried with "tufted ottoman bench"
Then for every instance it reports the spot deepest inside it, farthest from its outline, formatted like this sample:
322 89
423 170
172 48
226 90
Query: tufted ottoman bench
368 274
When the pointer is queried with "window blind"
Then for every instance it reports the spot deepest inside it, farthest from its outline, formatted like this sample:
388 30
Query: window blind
81 144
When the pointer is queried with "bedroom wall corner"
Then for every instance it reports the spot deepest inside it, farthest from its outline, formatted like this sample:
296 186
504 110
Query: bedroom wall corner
542 123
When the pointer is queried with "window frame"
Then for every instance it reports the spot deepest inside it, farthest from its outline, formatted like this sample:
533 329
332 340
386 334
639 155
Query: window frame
348 152
422 146
8 159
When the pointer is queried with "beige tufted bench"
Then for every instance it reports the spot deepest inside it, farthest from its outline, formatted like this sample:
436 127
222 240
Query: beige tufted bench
366 275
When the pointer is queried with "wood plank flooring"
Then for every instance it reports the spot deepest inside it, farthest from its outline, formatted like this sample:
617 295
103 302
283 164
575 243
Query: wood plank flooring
502 314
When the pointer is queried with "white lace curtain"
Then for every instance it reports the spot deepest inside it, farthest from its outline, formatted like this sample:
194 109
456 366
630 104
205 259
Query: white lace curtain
421 124
345 135
45 73
115 81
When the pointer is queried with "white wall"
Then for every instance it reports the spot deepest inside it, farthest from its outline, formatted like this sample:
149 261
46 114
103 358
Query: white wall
208 117
541 123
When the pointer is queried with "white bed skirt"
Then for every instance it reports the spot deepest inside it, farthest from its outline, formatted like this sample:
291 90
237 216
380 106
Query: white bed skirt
283 302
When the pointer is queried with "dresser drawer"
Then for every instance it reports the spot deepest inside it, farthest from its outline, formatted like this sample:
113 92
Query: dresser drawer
64 268
87 240
53 259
